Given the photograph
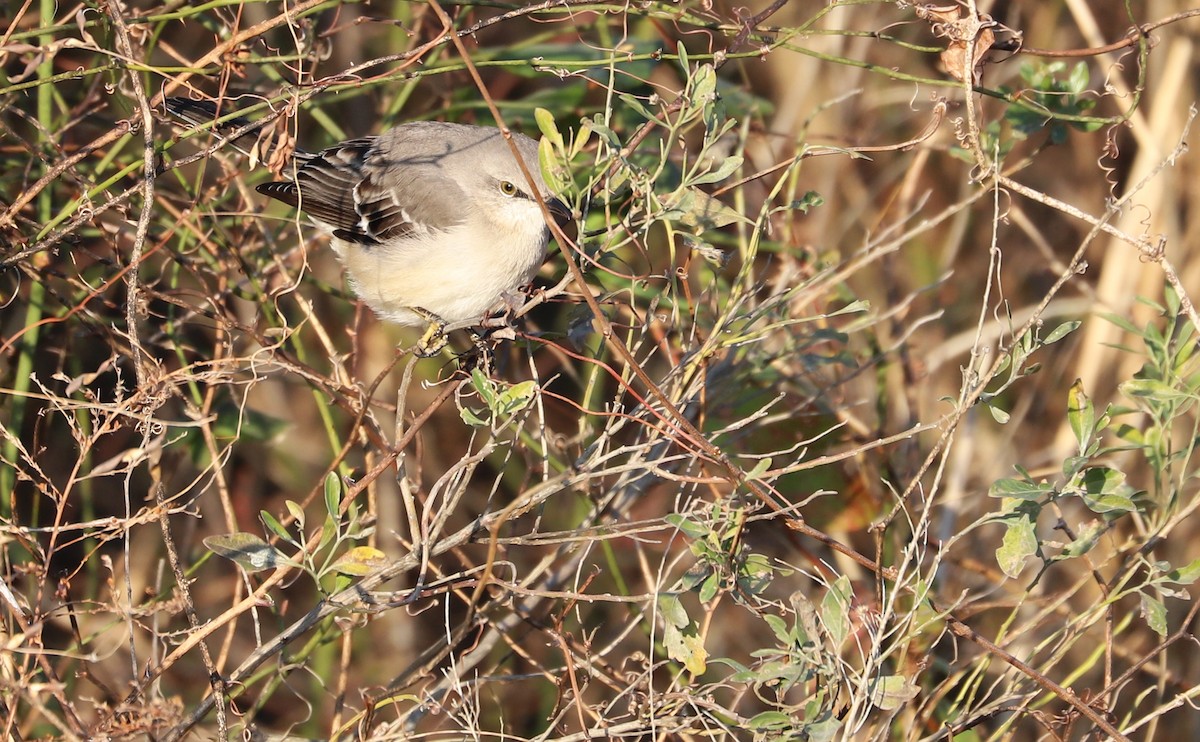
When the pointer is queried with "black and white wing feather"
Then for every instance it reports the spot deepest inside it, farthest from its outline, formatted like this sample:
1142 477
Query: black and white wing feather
366 197
366 191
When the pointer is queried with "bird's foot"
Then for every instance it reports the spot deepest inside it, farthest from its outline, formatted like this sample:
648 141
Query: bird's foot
434 339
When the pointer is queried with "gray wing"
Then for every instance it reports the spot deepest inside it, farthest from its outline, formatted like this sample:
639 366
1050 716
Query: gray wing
368 198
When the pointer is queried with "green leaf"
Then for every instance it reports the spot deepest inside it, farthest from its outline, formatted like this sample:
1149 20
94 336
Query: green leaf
1077 81
581 138
1110 504
759 469
1020 489
1155 614
550 167
470 418
1152 389
274 526
694 208
687 526
1060 332
484 387
721 173
998 414
757 565
827 730
745 673
549 129
708 590
672 610
684 645
249 551
1085 540
1080 414
1122 323
1072 465
891 691
769 720
1185 575
1020 542
333 494
780 628
835 611
810 200
636 105
857 306
1105 491
296 512
1130 434
515 398
704 85
707 548
610 138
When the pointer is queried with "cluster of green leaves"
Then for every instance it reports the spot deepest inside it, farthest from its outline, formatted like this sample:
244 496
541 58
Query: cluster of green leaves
331 552
1016 364
503 402
805 649
722 566
1047 101
1162 392
649 187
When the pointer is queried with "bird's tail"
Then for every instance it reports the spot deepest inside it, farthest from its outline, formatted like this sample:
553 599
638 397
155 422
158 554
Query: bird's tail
240 132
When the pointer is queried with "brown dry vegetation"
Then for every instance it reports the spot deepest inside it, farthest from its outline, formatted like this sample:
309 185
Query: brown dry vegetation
842 486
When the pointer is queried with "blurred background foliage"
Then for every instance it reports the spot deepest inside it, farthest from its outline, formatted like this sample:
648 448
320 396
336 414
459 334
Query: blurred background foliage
883 429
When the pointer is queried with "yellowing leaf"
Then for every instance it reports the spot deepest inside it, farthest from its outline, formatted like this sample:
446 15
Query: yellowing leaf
360 561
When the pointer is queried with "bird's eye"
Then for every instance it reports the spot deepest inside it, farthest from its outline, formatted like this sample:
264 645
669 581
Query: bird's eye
508 188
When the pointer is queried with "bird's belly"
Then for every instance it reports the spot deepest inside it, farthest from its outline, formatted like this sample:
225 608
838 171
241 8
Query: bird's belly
439 276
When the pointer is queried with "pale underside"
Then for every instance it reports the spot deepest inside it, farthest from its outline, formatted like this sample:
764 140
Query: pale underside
427 218
459 275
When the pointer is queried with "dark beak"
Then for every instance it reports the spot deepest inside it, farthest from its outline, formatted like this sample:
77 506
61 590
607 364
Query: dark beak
560 211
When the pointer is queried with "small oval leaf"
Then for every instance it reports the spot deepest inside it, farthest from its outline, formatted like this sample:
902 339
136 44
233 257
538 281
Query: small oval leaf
247 550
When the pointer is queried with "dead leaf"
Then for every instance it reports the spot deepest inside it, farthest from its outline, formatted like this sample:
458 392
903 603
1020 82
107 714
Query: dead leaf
948 22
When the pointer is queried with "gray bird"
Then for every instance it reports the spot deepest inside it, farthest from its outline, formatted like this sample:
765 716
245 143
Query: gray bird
434 222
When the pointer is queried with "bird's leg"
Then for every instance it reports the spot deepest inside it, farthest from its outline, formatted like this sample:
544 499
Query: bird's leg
434 338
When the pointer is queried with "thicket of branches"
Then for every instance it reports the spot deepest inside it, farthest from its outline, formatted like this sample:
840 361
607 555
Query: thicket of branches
859 402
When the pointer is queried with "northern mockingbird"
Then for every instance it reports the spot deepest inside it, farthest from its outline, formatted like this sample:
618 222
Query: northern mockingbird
434 222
